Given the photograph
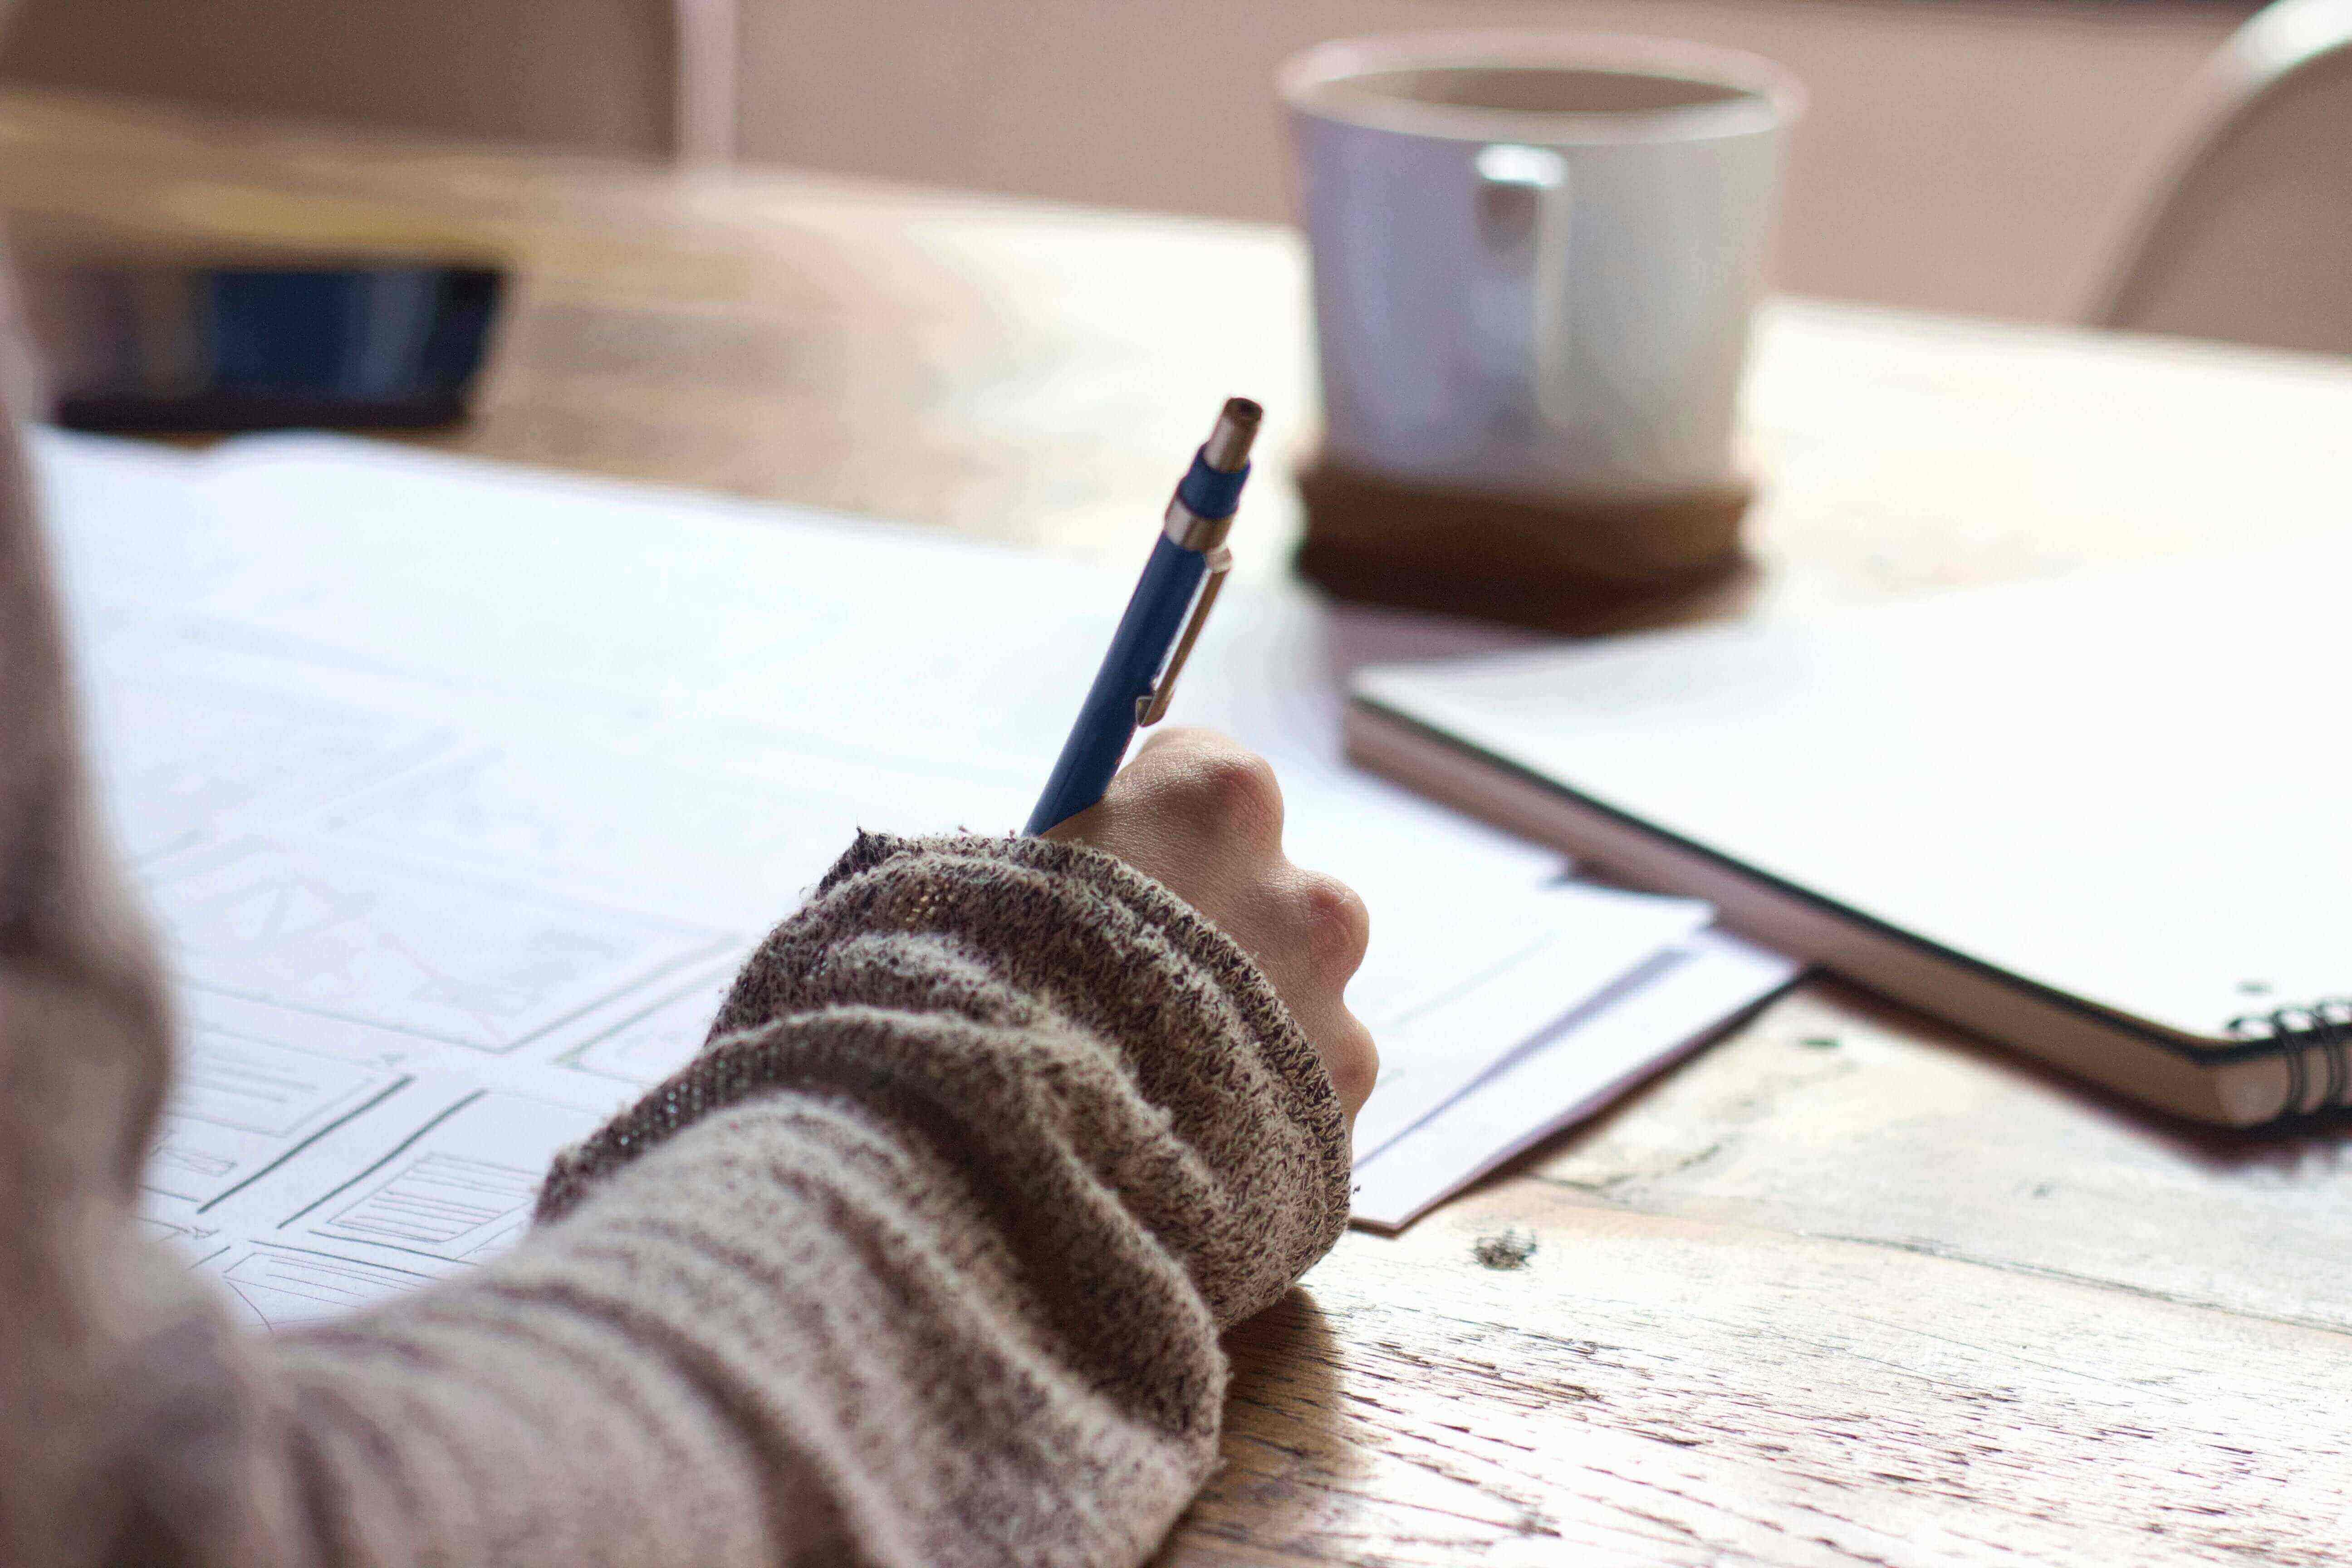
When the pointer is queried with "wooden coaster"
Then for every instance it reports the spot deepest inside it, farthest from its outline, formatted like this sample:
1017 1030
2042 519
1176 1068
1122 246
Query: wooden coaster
1559 566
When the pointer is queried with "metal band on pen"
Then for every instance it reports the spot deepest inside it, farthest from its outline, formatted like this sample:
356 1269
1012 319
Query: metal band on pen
1188 529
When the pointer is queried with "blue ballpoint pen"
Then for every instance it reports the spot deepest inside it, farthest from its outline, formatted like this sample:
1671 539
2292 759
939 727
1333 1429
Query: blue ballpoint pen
1188 565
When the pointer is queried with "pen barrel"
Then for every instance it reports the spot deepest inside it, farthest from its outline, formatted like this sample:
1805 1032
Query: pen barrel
1107 721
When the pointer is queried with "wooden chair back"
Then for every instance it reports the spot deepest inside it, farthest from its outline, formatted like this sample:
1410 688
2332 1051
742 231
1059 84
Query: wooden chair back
2248 232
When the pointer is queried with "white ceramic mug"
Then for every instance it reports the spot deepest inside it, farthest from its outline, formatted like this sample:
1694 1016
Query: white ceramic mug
1536 256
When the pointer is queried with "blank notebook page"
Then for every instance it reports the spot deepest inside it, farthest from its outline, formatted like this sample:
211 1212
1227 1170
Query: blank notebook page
2133 788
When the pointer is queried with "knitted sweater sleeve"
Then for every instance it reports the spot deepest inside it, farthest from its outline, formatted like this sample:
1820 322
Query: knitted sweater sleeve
922 1261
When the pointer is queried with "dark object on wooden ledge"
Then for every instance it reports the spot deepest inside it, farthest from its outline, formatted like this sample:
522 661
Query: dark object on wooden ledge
1561 566
185 346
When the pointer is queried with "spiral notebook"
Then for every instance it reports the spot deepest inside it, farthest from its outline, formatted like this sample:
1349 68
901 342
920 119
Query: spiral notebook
2105 821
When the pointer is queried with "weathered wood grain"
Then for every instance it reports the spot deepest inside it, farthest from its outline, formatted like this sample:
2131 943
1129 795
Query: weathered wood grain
1838 1116
1656 1389
1847 1289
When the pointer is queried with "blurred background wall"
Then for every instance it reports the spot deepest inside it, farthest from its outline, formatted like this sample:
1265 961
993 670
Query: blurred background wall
1981 156
591 73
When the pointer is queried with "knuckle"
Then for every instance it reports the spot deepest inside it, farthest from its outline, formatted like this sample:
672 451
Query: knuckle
1337 925
1355 1064
1230 786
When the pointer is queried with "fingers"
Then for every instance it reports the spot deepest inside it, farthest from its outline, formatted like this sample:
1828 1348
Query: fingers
1348 1055
1203 815
1313 943
1212 784
1333 924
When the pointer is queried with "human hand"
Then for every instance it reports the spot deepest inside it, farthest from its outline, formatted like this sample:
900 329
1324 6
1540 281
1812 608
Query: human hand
1201 814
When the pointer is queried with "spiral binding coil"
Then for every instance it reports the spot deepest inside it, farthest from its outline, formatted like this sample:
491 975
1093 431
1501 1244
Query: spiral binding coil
2323 1029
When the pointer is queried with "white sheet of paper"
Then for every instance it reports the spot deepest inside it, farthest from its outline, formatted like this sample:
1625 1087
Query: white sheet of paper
239 1105
1660 1015
663 1037
176 759
273 1287
461 790
461 1192
471 960
438 1197
1463 1018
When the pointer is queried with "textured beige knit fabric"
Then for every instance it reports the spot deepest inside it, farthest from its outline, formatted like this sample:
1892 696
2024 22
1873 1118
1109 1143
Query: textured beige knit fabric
923 1261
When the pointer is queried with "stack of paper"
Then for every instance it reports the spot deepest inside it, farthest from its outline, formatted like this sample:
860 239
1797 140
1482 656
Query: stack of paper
460 790
1647 1019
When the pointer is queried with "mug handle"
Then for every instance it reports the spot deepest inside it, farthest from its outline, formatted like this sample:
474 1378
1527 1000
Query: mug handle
1522 204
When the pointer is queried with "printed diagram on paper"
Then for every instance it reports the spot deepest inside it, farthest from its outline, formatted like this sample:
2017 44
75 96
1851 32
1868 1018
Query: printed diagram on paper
406 991
389 1041
448 1194
425 931
406 946
460 794
239 1105
661 1039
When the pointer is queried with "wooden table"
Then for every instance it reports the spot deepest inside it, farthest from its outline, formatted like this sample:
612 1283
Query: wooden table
1847 1289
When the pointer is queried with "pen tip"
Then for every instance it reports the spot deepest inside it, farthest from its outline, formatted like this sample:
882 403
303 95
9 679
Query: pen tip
1228 446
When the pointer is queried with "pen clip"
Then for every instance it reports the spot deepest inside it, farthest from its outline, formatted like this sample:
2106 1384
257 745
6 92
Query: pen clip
1152 706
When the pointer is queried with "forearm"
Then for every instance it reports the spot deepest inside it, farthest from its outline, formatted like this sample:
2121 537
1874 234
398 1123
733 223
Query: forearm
923 1264
806 1355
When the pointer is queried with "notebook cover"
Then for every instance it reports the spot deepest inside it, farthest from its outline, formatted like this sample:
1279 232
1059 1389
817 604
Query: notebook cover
2126 789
